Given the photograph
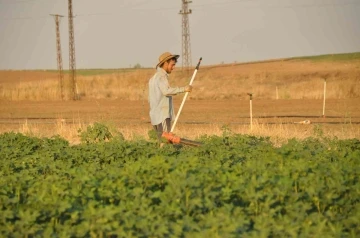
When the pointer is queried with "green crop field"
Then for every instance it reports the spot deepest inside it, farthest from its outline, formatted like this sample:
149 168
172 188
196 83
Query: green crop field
331 58
316 58
232 186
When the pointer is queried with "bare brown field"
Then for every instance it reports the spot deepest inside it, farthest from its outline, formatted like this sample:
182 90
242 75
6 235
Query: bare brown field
288 79
274 118
29 101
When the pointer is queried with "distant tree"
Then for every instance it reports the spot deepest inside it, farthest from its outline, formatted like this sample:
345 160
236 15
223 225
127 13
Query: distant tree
137 66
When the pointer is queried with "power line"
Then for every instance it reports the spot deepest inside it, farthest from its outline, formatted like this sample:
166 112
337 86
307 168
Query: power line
272 6
198 6
21 1
25 18
312 5
229 2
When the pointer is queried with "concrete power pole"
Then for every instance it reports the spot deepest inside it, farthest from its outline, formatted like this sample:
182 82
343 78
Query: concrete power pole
59 58
72 65
186 48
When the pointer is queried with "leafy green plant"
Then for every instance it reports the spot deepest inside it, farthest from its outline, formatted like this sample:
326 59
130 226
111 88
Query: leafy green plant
239 187
226 131
152 135
318 131
97 133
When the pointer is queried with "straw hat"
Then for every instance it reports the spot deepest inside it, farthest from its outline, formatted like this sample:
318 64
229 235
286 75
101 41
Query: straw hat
166 56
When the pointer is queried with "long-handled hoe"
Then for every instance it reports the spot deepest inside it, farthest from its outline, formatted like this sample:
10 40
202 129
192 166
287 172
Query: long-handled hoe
169 136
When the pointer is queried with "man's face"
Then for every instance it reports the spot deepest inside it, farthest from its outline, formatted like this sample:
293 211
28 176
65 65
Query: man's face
169 66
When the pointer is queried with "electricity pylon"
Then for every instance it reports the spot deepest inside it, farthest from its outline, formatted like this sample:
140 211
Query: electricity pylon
72 65
59 57
186 46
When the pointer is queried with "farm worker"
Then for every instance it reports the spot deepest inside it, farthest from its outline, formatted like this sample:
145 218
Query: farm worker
160 94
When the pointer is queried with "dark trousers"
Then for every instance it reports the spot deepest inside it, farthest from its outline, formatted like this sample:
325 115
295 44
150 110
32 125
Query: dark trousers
164 126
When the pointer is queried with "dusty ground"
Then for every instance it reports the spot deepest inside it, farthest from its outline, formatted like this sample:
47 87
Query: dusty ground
270 117
194 111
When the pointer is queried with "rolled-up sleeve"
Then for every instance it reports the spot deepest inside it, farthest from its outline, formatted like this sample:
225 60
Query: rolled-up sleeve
165 89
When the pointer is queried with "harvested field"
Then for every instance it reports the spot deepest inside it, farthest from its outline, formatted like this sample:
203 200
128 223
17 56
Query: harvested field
270 117
285 92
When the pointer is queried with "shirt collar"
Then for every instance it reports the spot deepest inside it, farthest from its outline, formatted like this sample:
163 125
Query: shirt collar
161 70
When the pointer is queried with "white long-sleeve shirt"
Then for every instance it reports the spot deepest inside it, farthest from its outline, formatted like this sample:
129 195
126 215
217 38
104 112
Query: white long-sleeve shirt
160 97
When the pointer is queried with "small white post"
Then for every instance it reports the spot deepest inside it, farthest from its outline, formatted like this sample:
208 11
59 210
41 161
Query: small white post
77 92
324 97
250 94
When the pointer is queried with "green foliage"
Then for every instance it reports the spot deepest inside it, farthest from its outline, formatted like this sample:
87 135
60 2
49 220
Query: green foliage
232 186
331 57
97 133
318 131
137 66
226 131
152 135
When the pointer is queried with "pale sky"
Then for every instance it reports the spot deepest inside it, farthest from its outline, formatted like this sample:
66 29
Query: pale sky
122 33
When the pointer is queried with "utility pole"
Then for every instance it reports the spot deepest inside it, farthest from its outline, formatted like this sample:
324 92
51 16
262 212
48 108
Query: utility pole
186 48
251 114
59 58
72 65
324 98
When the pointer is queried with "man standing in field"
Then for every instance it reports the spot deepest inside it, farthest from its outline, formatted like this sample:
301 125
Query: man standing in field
160 94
